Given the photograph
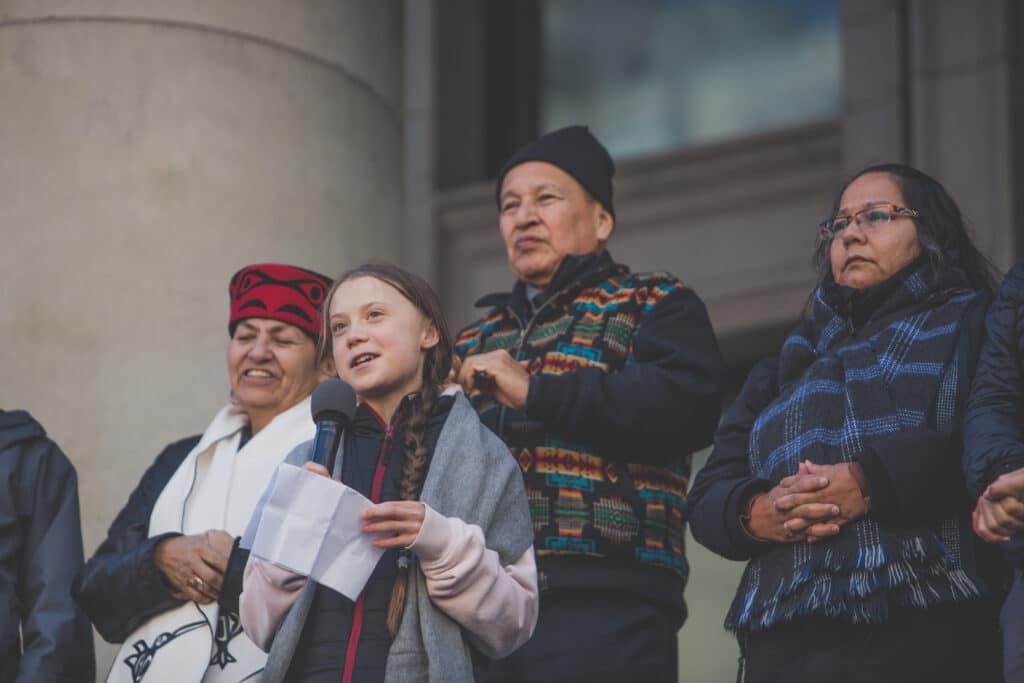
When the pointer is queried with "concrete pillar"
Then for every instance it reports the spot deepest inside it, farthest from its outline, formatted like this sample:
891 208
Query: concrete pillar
937 84
962 84
419 227
149 151
874 80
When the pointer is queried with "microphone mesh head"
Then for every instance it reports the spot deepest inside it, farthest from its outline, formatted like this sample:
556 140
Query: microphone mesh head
333 396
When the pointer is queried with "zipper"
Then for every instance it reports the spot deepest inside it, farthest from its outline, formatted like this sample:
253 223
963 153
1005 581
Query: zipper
519 347
383 458
524 334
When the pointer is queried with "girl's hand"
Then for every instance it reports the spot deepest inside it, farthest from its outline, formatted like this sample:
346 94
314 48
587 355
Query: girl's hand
402 518
315 468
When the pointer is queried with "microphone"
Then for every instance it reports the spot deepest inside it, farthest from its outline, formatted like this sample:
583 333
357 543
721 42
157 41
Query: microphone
333 404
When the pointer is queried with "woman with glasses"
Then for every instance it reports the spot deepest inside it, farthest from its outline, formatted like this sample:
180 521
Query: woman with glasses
836 472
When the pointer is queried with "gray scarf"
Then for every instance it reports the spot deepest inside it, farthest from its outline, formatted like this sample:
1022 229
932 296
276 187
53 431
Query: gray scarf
473 477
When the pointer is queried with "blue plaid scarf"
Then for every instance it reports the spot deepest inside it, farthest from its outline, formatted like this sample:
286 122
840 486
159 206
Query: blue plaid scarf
839 390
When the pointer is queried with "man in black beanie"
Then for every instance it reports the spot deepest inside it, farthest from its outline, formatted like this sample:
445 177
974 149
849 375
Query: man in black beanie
602 382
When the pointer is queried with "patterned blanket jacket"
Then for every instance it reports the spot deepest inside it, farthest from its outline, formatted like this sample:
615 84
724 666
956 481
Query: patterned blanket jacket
625 381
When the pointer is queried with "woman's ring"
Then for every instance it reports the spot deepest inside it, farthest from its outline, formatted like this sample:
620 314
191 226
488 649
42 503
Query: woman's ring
196 583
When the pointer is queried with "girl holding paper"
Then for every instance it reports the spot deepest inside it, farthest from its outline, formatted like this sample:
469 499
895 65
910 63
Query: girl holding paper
457 579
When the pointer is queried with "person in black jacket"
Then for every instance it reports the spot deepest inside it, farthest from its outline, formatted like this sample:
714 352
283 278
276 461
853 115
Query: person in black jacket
994 453
836 473
166 580
457 582
44 636
602 382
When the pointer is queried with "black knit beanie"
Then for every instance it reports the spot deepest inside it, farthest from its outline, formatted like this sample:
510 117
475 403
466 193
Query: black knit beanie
575 151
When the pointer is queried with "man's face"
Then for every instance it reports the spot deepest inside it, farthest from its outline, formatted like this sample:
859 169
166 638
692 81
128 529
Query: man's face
546 215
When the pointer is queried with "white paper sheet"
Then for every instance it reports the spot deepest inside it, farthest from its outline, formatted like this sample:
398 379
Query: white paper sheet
311 525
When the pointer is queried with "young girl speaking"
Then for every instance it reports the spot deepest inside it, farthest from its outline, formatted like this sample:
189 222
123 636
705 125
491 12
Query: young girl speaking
458 578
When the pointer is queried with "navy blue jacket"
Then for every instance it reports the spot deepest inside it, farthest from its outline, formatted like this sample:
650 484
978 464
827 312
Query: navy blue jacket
44 637
120 587
994 427
893 465
321 654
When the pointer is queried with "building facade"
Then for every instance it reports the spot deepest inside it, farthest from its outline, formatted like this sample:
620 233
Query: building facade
151 149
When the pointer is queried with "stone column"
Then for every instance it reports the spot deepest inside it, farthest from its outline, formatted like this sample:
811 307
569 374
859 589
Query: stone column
937 84
148 151
419 227
962 87
874 80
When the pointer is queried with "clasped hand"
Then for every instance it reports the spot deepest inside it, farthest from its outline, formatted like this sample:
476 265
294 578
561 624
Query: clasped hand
400 520
810 505
999 512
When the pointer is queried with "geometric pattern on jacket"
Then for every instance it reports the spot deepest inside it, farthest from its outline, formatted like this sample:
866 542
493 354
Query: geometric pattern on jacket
580 502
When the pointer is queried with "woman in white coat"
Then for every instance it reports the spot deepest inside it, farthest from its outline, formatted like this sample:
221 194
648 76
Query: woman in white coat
167 578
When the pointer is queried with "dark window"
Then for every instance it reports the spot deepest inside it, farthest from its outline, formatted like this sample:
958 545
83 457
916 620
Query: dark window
649 75
646 75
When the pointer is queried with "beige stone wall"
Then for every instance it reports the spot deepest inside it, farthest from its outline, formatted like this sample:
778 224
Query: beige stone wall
937 84
147 151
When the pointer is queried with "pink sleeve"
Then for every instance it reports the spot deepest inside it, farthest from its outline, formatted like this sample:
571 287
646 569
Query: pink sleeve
497 605
268 592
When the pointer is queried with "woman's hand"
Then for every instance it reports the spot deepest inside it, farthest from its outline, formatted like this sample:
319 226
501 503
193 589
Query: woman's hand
195 565
768 523
401 518
845 493
999 513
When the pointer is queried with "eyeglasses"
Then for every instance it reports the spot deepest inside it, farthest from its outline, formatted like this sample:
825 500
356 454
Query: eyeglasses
868 217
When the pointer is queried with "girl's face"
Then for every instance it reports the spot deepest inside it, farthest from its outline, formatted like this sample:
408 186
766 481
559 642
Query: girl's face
379 340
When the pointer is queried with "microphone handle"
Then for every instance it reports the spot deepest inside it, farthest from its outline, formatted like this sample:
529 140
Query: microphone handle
325 445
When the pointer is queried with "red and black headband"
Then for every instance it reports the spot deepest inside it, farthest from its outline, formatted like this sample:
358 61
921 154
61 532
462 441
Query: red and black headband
279 292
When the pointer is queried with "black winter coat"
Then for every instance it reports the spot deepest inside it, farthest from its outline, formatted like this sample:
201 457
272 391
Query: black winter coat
40 552
913 474
120 587
994 427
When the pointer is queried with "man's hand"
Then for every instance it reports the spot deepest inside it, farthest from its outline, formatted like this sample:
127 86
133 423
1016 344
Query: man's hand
497 374
195 565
